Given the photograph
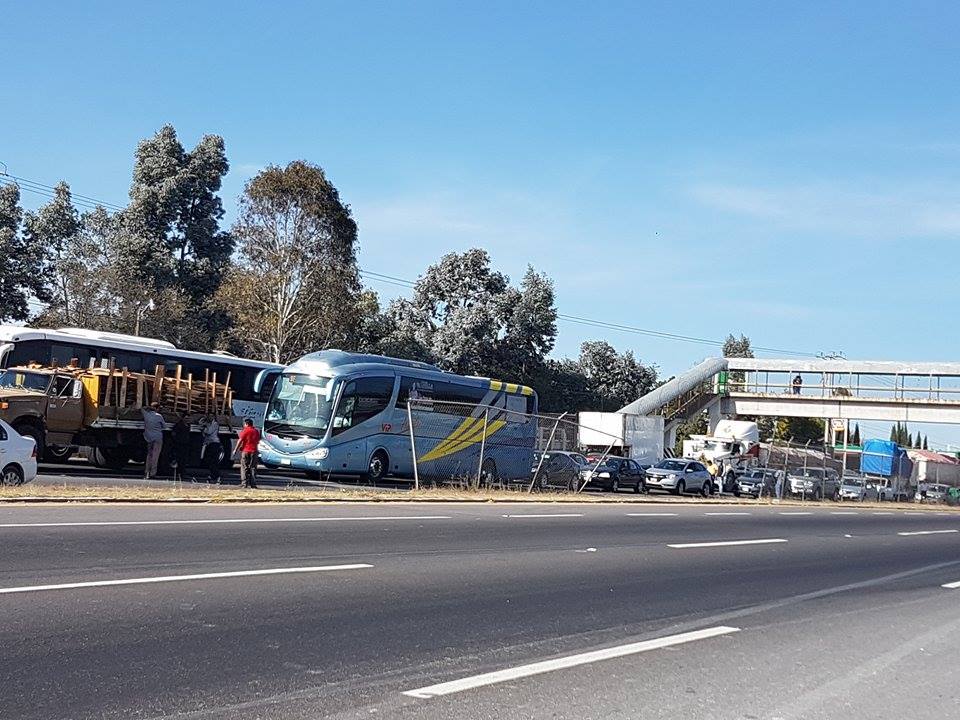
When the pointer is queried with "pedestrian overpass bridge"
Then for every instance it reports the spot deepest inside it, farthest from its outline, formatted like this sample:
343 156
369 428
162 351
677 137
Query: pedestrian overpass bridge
908 392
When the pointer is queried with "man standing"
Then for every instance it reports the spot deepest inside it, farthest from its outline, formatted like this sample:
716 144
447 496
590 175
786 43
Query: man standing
797 384
211 448
248 442
153 436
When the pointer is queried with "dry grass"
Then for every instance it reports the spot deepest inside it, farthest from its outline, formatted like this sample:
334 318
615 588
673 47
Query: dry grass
192 493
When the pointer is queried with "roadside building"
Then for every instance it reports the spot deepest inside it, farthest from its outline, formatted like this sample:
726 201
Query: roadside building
934 467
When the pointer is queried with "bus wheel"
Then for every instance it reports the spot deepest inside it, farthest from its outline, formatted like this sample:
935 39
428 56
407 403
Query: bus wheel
488 473
379 466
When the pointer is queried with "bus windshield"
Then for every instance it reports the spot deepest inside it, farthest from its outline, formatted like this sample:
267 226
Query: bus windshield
24 380
301 405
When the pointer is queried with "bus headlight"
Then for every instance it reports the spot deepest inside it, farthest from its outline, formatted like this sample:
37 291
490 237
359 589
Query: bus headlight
318 454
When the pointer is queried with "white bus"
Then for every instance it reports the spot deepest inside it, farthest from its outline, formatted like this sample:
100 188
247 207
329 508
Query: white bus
91 348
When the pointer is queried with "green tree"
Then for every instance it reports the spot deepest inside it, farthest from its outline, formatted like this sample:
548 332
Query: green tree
56 227
856 435
616 379
22 263
734 347
468 319
172 238
296 285
925 445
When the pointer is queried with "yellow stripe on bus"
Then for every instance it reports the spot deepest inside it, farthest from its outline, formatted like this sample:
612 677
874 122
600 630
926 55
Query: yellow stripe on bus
449 448
467 426
496 385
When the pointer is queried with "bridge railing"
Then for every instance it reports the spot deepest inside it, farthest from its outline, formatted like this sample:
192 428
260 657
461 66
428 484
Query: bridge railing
925 388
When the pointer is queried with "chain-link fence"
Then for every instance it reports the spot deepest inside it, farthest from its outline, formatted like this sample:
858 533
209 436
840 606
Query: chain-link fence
501 446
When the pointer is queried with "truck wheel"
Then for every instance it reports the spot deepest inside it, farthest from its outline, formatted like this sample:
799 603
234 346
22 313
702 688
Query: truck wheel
59 453
112 458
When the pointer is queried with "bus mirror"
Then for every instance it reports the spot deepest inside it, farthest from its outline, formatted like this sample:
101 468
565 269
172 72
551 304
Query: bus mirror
265 380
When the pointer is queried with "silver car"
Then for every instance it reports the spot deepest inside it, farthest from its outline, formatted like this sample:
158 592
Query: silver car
853 487
816 483
679 476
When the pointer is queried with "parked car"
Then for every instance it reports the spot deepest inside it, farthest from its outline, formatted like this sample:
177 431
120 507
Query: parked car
570 470
678 475
853 487
757 482
816 483
880 492
18 456
932 493
630 473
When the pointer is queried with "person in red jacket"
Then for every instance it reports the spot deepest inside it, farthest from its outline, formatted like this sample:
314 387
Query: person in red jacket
248 442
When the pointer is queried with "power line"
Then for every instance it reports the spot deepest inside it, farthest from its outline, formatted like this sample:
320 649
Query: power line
392 280
47 190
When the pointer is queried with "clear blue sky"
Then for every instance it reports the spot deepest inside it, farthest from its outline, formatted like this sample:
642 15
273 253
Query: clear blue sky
785 170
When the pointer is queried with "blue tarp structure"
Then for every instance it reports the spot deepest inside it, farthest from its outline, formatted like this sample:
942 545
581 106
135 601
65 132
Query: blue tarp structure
885 458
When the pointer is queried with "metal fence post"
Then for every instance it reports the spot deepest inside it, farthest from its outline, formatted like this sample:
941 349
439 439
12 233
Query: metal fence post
599 463
483 445
536 473
413 448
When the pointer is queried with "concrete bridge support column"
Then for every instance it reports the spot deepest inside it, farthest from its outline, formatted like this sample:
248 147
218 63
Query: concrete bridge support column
714 416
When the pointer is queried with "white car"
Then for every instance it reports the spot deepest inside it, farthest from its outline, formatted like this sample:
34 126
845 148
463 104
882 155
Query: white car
18 457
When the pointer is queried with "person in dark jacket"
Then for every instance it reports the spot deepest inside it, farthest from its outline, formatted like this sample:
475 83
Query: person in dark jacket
180 440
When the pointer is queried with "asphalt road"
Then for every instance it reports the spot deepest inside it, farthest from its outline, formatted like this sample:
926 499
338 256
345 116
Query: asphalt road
403 611
79 472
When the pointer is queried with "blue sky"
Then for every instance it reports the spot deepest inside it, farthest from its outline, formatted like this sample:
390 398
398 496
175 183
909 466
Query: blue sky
789 171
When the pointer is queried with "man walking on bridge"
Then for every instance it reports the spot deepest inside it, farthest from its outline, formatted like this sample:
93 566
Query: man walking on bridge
797 384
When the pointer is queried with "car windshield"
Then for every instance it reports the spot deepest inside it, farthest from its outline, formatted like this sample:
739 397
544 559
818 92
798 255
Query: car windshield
812 473
853 481
671 465
579 459
301 405
754 475
24 380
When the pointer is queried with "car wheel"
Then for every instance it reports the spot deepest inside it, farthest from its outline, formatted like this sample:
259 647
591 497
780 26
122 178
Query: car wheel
615 485
680 488
836 495
818 494
705 489
378 467
638 488
736 493
12 476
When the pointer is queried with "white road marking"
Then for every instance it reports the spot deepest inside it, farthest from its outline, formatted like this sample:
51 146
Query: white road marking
951 586
177 578
795 513
727 513
544 515
225 521
881 513
725 543
844 512
538 668
927 532
653 514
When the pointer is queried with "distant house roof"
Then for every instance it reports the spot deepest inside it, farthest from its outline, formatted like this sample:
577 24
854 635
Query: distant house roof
931 456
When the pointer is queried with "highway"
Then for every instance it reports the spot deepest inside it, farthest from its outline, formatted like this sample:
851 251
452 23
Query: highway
478 611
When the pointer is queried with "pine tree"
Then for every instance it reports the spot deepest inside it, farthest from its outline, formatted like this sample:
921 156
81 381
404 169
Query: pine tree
925 445
856 435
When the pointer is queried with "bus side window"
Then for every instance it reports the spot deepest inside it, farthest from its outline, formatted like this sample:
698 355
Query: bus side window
361 400
419 393
516 408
